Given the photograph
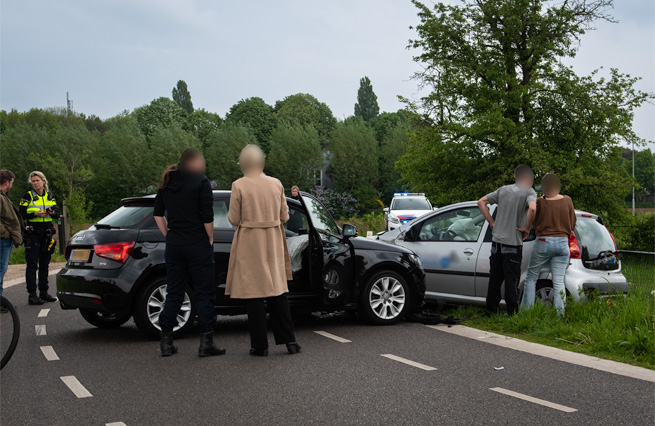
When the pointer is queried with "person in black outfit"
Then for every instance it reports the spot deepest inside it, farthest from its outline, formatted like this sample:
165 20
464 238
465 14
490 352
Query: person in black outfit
185 196
39 209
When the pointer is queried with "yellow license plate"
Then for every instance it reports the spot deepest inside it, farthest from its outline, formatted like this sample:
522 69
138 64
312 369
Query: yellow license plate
80 255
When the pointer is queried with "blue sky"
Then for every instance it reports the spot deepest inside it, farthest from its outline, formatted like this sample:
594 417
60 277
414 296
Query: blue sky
113 55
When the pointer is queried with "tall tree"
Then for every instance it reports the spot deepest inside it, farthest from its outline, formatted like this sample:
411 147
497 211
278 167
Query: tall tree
222 153
354 160
499 96
367 101
160 112
201 123
182 97
306 110
258 115
296 155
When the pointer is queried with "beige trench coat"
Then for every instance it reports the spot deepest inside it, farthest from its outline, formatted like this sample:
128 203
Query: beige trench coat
259 259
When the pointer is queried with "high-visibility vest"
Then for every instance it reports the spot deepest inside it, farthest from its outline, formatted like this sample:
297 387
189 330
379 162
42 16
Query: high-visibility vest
37 203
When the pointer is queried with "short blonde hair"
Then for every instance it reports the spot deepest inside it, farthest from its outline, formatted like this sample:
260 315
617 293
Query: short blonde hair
251 156
40 175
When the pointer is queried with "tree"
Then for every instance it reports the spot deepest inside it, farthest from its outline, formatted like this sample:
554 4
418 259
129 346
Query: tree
386 122
354 161
296 155
499 96
644 170
394 146
182 97
201 123
258 115
166 145
367 102
161 112
223 151
306 110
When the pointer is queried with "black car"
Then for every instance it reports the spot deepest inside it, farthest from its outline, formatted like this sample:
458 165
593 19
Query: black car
115 270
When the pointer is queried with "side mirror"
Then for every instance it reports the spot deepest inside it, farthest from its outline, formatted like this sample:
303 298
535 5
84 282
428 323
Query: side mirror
386 209
434 209
349 231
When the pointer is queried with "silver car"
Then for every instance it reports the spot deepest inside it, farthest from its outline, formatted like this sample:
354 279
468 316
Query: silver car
454 244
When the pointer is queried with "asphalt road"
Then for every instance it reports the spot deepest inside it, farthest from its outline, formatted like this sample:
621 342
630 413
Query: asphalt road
330 382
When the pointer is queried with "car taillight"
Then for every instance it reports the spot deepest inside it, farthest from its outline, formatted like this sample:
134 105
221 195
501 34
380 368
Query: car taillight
118 252
574 248
67 252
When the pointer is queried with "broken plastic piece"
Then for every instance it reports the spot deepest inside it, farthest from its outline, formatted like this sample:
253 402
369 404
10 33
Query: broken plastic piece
499 368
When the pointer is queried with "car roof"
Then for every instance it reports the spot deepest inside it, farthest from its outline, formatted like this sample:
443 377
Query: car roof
149 199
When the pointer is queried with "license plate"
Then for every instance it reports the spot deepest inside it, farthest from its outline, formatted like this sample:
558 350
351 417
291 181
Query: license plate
80 255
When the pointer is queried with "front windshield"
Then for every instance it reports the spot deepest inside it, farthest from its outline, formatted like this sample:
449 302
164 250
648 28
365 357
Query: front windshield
411 204
321 217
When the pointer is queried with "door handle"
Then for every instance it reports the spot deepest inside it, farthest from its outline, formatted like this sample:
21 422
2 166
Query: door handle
468 252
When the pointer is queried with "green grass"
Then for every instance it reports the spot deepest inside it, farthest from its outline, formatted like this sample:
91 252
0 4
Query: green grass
619 328
17 256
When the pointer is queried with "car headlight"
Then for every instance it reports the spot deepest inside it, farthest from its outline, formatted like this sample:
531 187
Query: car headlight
393 219
416 259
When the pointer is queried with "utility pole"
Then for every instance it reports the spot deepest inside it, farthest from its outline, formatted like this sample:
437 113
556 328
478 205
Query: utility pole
69 104
633 177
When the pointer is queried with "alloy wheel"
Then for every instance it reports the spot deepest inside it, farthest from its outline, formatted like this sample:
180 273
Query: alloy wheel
387 298
156 306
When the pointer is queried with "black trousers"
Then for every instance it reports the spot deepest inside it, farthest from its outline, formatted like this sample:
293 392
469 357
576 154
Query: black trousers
37 257
197 262
505 265
281 322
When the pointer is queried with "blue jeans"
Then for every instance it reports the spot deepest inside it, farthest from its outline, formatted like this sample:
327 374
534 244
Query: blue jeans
556 251
6 244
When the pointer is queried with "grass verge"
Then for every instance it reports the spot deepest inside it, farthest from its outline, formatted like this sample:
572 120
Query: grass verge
619 328
17 256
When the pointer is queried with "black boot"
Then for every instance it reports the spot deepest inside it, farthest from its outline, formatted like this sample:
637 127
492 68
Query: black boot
33 299
207 346
166 345
46 297
258 352
293 348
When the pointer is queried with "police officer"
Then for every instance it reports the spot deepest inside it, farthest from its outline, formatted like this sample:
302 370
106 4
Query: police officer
39 208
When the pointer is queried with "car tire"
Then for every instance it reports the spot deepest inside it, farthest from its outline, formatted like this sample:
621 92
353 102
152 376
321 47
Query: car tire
150 303
102 320
385 299
544 292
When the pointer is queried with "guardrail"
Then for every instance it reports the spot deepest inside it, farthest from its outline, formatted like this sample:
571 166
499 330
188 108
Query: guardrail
639 257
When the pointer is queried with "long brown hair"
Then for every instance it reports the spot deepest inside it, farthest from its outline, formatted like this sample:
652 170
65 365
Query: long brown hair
187 155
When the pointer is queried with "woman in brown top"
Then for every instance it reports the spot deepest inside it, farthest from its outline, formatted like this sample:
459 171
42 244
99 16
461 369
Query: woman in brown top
554 222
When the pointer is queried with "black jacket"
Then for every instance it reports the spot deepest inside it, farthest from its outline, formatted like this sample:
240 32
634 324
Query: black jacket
187 202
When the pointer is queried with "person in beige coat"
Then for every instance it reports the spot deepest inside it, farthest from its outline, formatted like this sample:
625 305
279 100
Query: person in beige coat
259 265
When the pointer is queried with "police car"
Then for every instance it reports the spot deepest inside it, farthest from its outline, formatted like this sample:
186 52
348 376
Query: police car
405 207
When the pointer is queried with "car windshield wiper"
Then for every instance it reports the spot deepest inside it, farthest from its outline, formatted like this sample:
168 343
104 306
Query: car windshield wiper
105 226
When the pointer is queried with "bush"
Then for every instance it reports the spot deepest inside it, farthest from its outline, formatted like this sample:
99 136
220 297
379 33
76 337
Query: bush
373 222
637 234
340 204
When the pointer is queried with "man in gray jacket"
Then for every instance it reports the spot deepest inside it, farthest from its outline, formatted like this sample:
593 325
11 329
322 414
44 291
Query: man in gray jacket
516 208
11 224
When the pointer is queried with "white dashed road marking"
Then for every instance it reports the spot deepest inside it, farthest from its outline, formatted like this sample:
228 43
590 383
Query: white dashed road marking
76 387
409 362
333 337
43 313
115 424
49 353
534 400
40 329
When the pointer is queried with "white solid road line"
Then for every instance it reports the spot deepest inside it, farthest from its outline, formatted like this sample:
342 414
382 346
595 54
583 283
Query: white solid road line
21 280
409 362
550 352
49 353
535 400
115 424
333 337
40 329
43 313
76 387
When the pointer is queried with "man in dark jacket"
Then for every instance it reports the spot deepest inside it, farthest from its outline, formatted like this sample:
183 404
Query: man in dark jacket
11 225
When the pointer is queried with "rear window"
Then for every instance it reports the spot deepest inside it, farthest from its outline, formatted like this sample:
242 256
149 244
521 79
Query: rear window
595 241
128 217
411 204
